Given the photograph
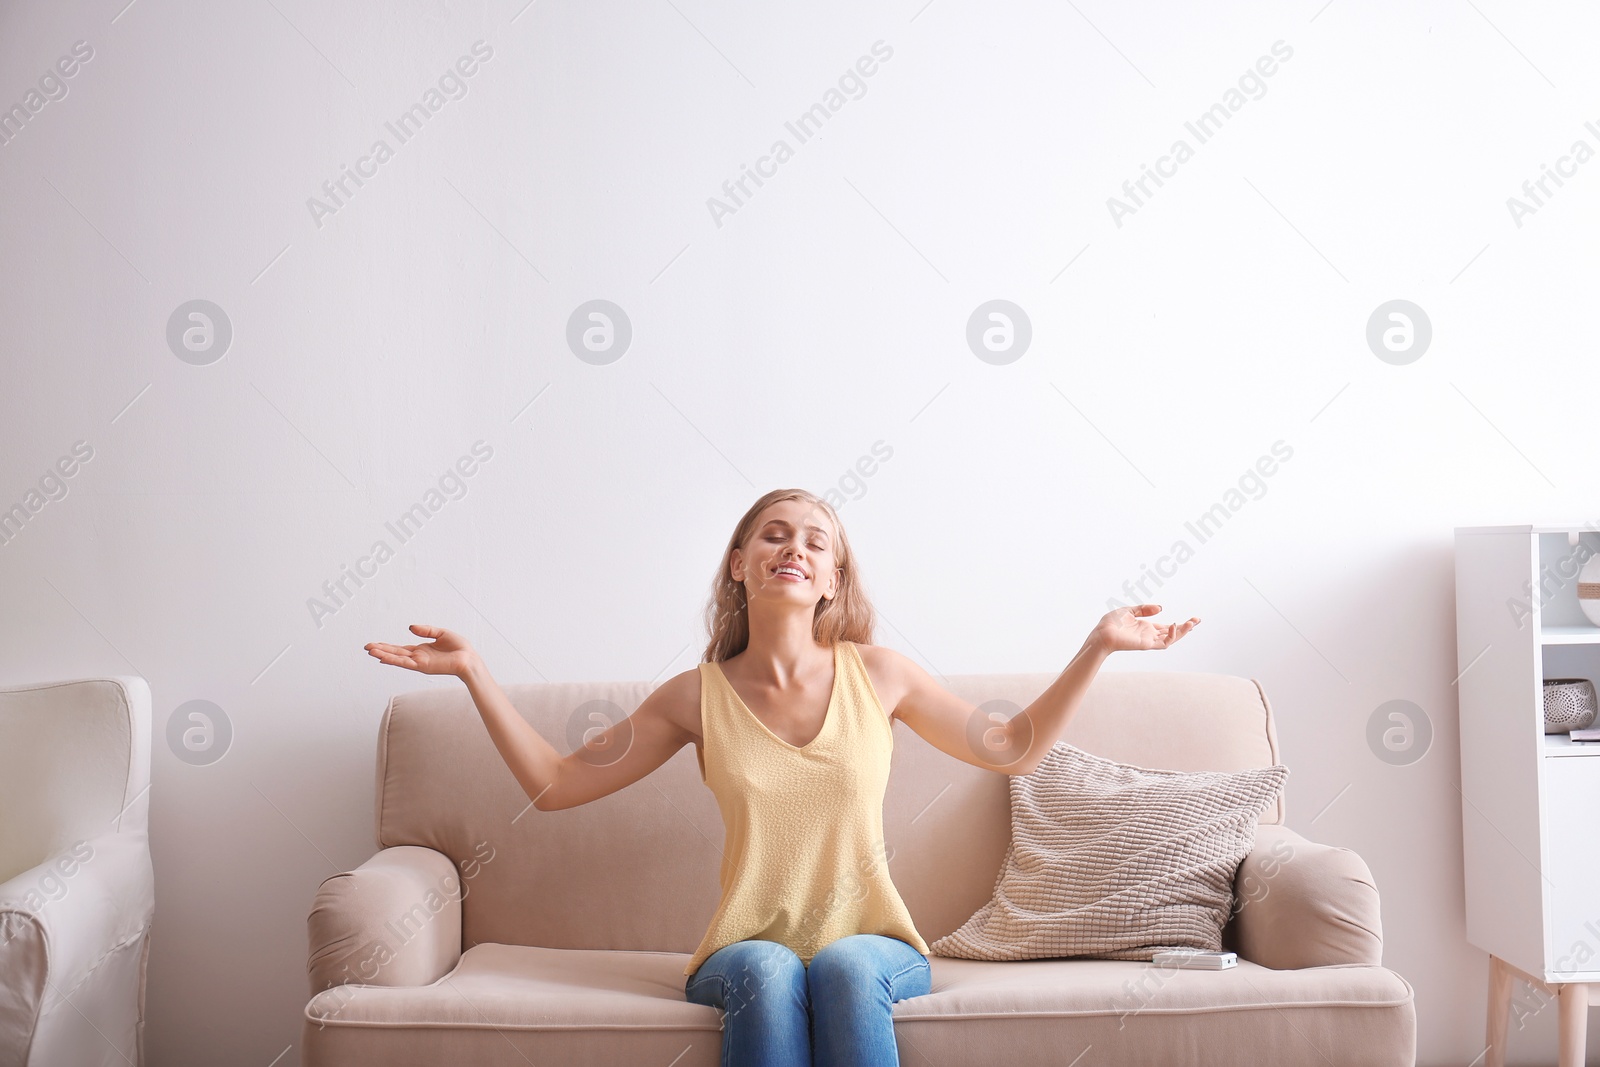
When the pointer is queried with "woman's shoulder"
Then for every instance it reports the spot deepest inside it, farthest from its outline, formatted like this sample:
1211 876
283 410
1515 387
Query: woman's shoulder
885 669
677 700
878 657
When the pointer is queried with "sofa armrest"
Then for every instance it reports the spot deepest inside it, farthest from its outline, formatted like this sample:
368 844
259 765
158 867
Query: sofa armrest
60 921
393 921
1301 904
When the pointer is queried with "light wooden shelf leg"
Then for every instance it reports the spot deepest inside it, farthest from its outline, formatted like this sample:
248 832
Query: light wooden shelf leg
1499 1012
1574 1023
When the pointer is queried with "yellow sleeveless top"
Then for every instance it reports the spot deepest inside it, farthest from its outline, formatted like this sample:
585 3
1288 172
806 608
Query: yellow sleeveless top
803 860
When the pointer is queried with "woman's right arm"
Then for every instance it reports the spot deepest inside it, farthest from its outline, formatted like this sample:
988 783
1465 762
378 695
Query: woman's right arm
620 755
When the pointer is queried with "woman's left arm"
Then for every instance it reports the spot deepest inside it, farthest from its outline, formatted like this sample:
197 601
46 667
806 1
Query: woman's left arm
1018 744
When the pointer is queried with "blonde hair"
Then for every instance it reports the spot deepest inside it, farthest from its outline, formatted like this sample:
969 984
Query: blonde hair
847 617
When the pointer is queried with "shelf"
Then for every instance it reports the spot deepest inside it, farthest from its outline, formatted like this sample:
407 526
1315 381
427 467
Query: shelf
1577 525
1562 745
1528 798
1570 635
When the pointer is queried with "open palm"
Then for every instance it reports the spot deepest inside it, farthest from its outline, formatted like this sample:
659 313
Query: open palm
447 653
1125 629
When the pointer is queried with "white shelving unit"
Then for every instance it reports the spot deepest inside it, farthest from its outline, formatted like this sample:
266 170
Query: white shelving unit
1528 799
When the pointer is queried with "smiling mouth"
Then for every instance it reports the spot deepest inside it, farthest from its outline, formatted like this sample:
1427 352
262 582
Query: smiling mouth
790 574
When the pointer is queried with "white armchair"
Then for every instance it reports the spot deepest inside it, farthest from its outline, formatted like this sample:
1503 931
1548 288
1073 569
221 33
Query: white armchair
77 892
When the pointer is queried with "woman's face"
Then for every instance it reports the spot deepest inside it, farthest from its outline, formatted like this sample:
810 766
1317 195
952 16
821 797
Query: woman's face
789 536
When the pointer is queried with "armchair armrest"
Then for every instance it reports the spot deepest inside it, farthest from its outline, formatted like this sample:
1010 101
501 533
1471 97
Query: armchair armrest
59 923
393 921
1301 904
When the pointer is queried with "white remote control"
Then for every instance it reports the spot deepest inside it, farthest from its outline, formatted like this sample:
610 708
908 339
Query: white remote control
1195 959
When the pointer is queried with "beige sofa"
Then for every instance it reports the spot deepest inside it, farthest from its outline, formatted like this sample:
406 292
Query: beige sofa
488 932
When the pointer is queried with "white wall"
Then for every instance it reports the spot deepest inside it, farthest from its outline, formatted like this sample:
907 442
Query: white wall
825 314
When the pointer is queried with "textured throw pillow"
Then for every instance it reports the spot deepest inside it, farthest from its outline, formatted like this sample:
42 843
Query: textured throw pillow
1116 862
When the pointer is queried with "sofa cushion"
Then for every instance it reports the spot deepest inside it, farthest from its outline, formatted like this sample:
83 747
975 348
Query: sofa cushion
1048 1013
1113 861
512 1005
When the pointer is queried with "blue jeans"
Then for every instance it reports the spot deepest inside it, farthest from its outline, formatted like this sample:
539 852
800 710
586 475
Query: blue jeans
836 1012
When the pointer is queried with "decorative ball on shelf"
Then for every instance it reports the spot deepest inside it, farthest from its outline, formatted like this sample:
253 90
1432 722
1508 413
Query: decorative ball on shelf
1589 589
1569 704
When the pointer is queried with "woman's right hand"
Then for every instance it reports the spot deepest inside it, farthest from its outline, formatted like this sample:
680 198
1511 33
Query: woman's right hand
447 653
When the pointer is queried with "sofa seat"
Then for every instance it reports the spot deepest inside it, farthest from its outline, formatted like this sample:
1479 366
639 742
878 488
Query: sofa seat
511 1005
1046 1012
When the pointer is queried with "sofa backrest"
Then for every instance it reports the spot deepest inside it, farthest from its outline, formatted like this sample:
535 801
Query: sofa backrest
638 869
74 764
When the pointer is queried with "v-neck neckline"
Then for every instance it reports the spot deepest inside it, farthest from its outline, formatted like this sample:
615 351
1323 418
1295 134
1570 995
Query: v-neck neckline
827 715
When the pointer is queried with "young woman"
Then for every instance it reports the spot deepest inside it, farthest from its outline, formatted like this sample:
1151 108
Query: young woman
790 713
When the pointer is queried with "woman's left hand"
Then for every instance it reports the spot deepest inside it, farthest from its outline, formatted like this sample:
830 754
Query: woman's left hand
1126 629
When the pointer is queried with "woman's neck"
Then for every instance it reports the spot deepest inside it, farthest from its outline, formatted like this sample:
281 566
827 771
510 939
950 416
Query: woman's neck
782 648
